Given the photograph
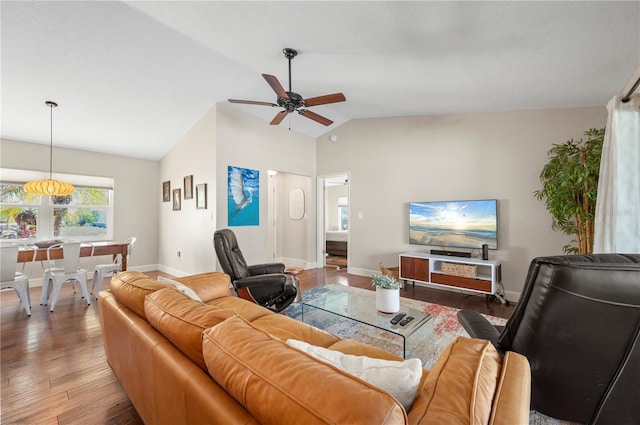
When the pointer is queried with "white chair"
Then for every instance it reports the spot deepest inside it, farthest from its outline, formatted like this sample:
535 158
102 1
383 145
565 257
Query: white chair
10 278
54 276
102 270
56 265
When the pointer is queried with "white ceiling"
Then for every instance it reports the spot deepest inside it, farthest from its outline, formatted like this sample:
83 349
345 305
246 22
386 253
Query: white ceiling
132 78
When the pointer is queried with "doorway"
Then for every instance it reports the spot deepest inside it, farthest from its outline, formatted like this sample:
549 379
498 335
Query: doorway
288 233
333 219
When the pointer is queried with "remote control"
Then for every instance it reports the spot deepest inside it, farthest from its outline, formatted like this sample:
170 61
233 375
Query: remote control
406 320
397 318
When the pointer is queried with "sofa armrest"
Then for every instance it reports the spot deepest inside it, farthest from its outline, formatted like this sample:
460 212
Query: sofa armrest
266 268
261 280
513 395
470 383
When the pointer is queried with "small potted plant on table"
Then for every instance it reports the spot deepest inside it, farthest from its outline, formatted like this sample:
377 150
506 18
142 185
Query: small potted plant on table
387 293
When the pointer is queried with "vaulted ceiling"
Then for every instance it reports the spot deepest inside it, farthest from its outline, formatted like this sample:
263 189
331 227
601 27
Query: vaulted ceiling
133 77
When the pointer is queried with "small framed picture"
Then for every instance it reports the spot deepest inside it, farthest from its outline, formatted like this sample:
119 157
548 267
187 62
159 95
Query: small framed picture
201 196
188 187
166 191
177 202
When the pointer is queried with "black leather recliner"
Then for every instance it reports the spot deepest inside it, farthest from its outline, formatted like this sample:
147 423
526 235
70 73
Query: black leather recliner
578 323
263 284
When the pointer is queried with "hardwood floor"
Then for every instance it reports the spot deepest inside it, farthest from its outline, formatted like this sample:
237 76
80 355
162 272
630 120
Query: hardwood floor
339 262
53 366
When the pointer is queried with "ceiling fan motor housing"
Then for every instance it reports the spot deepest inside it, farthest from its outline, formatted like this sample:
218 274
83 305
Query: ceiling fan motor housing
289 53
294 102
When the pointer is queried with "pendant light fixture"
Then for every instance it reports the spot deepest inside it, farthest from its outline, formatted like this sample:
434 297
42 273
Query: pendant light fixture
49 187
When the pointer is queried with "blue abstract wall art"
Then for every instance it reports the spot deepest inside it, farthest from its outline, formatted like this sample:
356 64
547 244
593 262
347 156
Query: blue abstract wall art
244 197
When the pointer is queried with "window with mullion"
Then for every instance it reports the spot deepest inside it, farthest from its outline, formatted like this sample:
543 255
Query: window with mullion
84 215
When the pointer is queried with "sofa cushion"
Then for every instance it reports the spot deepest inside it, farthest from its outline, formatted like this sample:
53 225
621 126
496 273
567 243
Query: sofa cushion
400 379
131 287
182 320
460 387
248 310
208 286
356 348
285 328
279 384
182 288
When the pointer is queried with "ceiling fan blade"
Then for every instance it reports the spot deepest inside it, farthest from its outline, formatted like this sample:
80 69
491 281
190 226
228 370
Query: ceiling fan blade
252 102
276 86
323 100
278 118
313 116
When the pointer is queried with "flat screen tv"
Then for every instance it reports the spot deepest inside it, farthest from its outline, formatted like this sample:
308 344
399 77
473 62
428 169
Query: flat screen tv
459 224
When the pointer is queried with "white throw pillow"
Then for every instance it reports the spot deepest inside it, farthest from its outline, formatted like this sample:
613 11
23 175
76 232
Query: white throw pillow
400 379
182 288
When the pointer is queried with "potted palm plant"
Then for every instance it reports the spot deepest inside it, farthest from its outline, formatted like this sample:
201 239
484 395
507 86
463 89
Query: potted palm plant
387 293
569 188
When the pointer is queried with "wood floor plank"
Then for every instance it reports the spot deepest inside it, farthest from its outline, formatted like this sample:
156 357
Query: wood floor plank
33 411
53 370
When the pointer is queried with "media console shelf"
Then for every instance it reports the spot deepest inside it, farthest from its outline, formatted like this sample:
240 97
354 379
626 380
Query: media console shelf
428 268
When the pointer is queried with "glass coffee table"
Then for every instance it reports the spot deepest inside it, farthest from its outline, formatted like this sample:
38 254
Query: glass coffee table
362 309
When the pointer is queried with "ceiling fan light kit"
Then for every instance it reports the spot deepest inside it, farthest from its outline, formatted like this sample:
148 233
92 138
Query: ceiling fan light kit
49 187
291 101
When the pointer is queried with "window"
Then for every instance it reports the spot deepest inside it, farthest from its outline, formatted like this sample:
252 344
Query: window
343 212
343 217
85 215
18 212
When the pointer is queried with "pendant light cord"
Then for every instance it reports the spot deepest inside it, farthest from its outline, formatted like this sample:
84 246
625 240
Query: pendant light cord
51 105
49 187
51 142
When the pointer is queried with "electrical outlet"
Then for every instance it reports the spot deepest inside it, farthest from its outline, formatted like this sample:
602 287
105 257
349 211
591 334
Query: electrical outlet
179 254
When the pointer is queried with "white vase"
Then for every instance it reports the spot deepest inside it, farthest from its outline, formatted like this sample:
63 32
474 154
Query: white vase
388 300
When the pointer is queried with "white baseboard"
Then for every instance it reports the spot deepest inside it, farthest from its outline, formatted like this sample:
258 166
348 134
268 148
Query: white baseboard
296 262
362 272
512 296
170 270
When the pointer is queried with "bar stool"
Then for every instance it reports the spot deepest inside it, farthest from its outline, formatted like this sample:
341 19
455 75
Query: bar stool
103 270
54 277
10 278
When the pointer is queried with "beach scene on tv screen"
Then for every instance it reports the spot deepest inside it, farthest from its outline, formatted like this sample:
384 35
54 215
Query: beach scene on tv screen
460 224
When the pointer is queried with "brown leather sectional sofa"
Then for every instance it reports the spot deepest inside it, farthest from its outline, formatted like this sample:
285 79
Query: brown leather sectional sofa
226 362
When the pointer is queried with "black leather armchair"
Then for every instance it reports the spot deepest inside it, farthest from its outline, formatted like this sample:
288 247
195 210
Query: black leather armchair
578 323
263 284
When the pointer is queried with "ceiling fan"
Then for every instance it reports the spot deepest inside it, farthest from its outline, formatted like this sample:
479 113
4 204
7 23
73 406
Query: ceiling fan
292 101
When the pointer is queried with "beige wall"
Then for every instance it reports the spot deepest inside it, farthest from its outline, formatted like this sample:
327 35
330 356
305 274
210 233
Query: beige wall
391 162
136 190
189 230
395 161
247 142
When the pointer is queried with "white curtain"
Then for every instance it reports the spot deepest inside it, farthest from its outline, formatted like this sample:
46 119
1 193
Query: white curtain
617 221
